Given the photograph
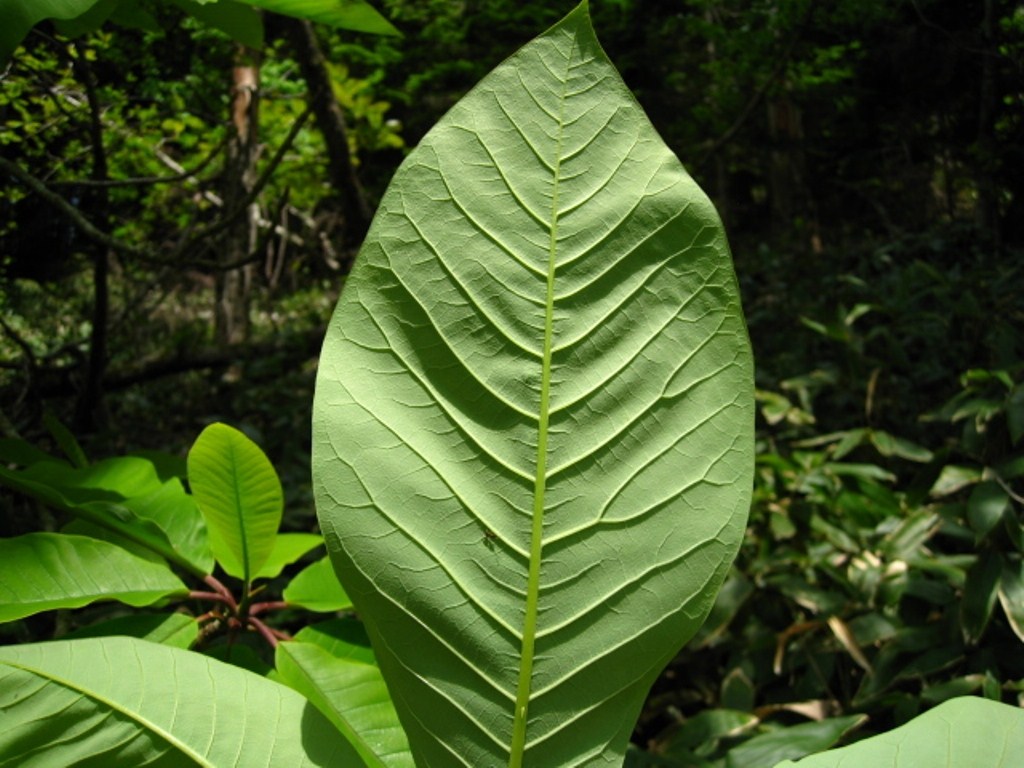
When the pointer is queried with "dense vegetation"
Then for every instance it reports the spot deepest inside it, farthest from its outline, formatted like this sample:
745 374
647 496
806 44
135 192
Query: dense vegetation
170 256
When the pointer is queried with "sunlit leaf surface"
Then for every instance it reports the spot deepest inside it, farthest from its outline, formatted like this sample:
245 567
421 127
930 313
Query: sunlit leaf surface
533 422
123 702
965 732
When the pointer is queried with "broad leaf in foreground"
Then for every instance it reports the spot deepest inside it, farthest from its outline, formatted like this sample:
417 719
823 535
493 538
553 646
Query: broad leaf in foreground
533 426
966 732
120 701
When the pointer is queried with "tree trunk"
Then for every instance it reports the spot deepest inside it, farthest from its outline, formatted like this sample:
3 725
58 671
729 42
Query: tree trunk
231 314
331 122
986 210
89 406
785 160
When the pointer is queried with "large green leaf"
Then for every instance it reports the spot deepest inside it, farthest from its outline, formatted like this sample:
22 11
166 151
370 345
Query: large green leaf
797 740
357 15
127 497
967 732
119 701
177 629
238 20
332 665
240 497
533 445
19 16
46 571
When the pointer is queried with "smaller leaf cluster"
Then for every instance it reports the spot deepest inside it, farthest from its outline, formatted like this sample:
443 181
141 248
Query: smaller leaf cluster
151 530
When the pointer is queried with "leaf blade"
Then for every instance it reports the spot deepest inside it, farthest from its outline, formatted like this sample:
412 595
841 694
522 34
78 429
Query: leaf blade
239 495
959 733
316 588
125 701
520 432
331 665
47 571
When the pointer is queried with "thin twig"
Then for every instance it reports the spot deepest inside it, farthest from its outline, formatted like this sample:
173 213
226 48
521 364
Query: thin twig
268 634
175 257
221 590
141 181
215 596
271 605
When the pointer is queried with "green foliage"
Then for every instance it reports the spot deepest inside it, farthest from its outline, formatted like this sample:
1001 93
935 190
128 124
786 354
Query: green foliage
238 492
333 666
234 17
540 258
142 702
882 571
141 527
961 733
46 571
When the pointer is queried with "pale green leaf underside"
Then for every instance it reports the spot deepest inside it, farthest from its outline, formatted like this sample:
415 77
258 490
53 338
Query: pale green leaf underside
121 701
540 358
47 571
966 732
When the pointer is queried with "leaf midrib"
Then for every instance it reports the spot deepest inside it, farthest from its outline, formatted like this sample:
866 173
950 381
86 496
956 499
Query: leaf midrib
519 723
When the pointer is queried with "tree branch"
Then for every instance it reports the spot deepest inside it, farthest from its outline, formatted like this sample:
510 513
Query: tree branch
95 234
143 181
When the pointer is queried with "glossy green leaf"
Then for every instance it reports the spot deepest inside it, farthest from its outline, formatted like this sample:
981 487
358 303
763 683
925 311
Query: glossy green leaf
708 727
65 440
113 479
1011 595
123 702
316 588
967 732
177 629
174 511
910 535
794 741
238 20
288 547
14 450
890 445
960 686
129 496
19 16
980 594
46 571
533 445
88 22
953 478
985 507
240 497
332 665
177 514
356 15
